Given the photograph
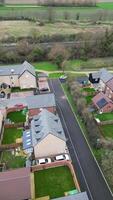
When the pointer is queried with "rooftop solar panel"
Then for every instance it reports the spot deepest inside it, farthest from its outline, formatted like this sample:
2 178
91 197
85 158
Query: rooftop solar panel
101 103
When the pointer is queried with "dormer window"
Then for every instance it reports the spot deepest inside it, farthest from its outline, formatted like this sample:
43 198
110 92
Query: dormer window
37 131
59 132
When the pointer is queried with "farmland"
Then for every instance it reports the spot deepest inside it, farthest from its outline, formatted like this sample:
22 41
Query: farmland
17 29
42 12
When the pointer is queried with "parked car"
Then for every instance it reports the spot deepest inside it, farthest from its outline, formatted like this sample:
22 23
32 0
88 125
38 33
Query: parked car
62 157
63 78
43 161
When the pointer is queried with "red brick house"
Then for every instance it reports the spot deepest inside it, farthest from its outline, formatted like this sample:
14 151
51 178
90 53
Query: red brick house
102 102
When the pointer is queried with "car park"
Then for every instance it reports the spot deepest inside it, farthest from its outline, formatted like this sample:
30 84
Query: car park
43 161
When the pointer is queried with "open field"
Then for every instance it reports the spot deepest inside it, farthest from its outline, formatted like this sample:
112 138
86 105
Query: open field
41 12
91 64
48 66
106 5
53 182
76 65
17 29
10 135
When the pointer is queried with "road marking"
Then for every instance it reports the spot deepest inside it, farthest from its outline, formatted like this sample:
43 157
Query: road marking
74 149
88 144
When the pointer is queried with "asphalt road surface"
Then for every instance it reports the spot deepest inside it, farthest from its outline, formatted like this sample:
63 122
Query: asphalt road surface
86 169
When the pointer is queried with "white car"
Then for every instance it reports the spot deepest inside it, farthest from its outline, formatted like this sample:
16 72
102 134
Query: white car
62 157
43 161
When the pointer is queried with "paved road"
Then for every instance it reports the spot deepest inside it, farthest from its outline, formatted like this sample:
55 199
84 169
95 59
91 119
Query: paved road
86 169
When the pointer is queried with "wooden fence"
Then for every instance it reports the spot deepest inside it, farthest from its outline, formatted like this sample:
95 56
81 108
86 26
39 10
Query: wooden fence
58 164
104 122
9 146
16 125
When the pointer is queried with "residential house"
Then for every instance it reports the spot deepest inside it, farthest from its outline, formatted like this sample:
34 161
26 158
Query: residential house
102 102
22 75
99 79
109 89
15 184
46 135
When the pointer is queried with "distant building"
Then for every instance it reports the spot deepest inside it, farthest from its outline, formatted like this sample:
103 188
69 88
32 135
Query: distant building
46 135
15 184
22 75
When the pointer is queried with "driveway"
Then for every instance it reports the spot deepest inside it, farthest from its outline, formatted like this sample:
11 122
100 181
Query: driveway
86 169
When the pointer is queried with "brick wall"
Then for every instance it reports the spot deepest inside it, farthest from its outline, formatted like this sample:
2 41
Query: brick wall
33 112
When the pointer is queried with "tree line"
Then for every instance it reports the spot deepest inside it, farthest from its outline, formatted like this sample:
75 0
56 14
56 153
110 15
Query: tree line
52 2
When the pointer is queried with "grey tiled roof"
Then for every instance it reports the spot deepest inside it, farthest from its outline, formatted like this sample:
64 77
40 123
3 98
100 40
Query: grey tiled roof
105 76
16 69
79 196
46 123
45 100
35 101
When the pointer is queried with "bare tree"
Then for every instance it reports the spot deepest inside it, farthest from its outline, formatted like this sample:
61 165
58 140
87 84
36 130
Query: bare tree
59 54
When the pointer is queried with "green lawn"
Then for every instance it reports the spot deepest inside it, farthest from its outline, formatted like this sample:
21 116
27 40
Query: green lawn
53 182
104 116
16 116
48 66
89 90
55 75
106 5
10 135
107 131
12 161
